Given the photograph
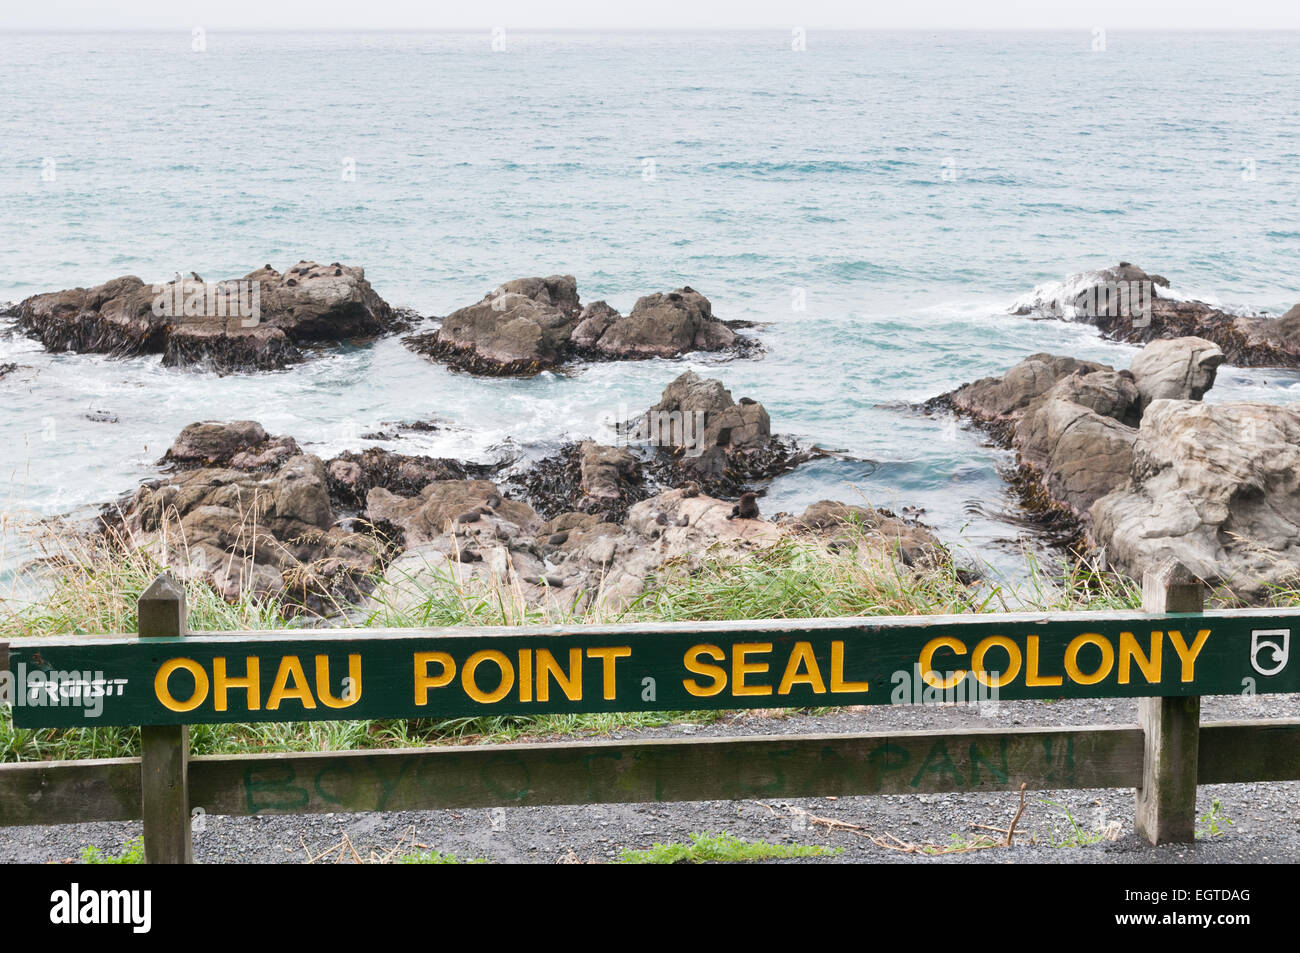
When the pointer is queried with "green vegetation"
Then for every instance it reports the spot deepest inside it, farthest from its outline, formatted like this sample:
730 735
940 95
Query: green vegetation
436 857
1213 821
722 848
93 591
1074 836
132 853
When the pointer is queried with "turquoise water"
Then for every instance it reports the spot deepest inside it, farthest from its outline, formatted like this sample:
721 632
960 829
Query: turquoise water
908 186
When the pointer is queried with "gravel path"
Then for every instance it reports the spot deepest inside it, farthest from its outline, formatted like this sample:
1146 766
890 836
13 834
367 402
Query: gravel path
1265 817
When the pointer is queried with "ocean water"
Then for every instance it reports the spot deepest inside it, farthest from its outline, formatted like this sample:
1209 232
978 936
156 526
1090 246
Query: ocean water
877 202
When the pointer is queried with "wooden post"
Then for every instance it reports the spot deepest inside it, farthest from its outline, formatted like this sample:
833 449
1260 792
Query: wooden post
164 749
1166 800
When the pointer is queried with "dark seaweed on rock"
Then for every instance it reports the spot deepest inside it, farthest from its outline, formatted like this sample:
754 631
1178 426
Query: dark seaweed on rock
1125 305
351 475
586 478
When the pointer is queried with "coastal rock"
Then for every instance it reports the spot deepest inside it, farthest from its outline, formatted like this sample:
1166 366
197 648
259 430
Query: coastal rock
533 324
1125 304
239 445
579 560
1073 423
271 533
664 325
594 321
521 327
697 435
914 544
1214 486
700 433
1002 401
1176 369
471 509
352 475
1082 455
260 322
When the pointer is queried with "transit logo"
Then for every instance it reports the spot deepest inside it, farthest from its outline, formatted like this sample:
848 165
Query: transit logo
196 300
43 688
76 906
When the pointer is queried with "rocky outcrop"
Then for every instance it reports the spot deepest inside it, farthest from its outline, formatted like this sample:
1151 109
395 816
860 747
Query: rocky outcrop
1126 304
579 560
587 478
534 324
1073 423
352 475
1214 486
698 432
1000 402
521 327
473 508
269 533
249 513
238 445
659 325
263 321
1179 369
696 435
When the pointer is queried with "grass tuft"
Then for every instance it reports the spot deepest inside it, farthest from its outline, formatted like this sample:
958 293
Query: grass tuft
722 848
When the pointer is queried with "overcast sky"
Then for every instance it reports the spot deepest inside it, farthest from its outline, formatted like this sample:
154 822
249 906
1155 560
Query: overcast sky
1114 15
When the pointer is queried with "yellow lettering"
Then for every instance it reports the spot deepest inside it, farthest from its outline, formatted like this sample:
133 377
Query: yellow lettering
571 684
1130 651
1072 658
927 661
838 684
424 681
1013 660
525 675
696 667
223 683
1188 655
740 668
323 692
507 676
290 666
802 656
163 691
608 656
1032 678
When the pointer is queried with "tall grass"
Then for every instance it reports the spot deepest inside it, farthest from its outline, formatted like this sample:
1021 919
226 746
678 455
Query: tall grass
93 591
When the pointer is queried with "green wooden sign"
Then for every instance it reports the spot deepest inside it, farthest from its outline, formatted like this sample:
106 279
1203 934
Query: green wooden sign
440 673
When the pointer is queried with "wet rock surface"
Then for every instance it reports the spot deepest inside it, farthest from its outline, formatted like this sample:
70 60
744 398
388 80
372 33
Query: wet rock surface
270 533
266 320
534 324
1125 304
1215 487
238 445
1146 470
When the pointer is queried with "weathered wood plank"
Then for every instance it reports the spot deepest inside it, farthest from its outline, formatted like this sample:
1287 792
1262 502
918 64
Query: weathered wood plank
1166 798
667 770
69 792
165 749
1241 751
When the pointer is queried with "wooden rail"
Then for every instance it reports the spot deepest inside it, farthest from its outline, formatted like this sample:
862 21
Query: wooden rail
1163 757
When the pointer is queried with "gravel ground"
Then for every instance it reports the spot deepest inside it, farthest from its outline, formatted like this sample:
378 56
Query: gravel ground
1265 817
